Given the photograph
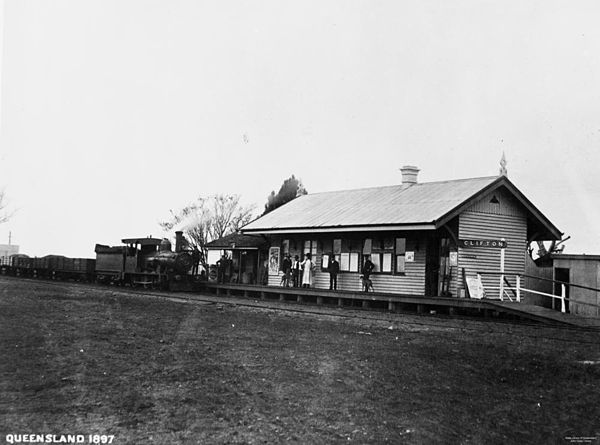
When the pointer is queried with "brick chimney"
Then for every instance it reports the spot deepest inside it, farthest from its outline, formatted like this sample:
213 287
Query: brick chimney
409 174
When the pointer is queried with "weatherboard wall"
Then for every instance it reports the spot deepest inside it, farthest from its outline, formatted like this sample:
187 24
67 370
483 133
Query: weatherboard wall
488 219
411 282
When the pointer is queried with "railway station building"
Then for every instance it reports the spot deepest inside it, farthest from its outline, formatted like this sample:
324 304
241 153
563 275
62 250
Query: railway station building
424 238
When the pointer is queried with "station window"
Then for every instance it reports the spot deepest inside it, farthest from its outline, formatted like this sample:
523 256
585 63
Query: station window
331 249
382 252
310 246
349 254
400 255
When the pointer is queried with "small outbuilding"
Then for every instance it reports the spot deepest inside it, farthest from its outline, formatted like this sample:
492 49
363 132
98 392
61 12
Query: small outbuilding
423 238
244 258
580 275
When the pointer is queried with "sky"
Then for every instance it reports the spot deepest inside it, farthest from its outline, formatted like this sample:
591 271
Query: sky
113 112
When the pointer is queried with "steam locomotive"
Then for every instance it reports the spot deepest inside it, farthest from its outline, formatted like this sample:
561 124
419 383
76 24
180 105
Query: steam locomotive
145 261
148 262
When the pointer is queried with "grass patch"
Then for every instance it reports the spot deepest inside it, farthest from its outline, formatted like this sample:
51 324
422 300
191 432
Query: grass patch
148 371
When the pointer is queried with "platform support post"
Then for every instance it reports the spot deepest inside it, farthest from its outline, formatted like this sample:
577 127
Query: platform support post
299 298
340 302
262 294
518 288
451 311
245 293
420 308
391 306
281 297
365 304
563 294
319 300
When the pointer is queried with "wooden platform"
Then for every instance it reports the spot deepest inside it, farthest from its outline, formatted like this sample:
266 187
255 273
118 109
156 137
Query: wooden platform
546 315
395 302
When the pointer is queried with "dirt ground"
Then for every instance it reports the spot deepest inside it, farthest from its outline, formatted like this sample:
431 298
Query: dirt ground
80 360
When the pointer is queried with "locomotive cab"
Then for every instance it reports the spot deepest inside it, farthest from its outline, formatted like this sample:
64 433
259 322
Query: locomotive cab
137 249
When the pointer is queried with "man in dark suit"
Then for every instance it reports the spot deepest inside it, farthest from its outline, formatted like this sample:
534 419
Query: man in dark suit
334 269
296 271
286 268
367 269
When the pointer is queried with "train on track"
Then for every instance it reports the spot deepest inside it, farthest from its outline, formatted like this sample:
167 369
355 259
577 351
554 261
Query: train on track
148 262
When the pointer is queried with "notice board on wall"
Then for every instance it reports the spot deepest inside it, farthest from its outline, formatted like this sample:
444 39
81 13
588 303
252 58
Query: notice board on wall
475 286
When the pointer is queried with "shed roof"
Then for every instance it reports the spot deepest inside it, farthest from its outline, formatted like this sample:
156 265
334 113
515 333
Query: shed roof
237 241
147 241
404 207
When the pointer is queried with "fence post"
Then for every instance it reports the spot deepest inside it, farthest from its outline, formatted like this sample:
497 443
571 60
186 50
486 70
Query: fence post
502 272
518 288
562 298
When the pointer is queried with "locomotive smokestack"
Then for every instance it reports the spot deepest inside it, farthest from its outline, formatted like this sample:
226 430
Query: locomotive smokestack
179 241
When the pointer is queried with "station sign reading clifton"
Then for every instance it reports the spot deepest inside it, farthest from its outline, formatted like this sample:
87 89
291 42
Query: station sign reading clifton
494 243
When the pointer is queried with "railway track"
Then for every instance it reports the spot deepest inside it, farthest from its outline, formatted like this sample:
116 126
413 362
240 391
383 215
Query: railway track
373 317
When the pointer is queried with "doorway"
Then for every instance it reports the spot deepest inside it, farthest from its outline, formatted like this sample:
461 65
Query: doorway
432 266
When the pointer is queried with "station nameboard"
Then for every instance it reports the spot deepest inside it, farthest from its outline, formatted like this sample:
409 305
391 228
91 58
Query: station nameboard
494 243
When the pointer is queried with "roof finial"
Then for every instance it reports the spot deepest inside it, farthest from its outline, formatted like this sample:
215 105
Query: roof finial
503 171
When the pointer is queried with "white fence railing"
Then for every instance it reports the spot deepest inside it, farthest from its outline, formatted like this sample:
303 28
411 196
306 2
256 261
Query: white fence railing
504 287
562 297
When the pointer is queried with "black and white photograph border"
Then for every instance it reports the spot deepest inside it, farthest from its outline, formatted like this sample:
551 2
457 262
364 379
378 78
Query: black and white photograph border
167 167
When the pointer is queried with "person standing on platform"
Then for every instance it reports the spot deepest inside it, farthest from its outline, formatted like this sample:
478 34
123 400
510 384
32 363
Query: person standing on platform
334 268
286 268
366 271
307 272
221 264
196 260
296 271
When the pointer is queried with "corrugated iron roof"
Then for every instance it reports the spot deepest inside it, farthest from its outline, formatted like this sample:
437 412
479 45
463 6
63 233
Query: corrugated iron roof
238 240
419 203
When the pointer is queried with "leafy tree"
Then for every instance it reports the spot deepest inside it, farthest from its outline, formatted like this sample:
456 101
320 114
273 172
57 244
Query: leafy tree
290 189
207 219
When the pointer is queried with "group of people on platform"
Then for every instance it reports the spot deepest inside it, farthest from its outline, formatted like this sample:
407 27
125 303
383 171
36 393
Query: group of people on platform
296 273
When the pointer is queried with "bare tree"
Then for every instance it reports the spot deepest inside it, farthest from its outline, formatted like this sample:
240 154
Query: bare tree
228 215
4 214
207 219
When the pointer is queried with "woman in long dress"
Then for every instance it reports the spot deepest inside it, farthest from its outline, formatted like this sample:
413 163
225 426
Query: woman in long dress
307 273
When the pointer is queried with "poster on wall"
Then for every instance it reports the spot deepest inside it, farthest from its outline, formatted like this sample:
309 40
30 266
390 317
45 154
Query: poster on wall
453 256
274 261
325 262
410 257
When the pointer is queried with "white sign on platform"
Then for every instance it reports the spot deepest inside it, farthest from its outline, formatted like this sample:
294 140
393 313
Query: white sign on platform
475 286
